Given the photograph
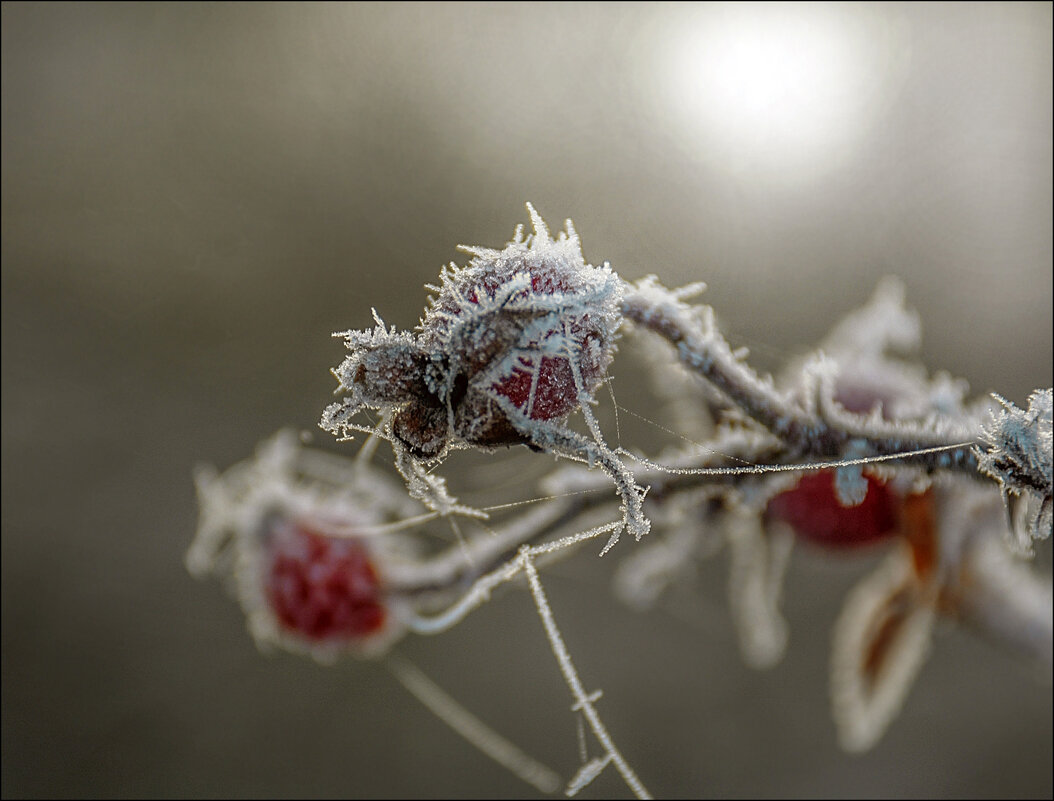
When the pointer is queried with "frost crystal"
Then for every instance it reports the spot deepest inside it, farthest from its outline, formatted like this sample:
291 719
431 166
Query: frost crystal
1018 456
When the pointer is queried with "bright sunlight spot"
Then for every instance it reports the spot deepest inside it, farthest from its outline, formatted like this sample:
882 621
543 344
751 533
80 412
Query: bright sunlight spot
773 86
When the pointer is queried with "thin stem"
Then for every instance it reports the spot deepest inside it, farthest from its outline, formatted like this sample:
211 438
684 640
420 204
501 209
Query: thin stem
582 698
704 351
475 731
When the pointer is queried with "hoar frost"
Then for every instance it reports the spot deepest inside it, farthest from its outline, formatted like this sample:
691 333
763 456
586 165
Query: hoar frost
518 337
511 345
1018 456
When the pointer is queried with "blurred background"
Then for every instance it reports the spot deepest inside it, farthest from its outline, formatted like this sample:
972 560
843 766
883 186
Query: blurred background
196 195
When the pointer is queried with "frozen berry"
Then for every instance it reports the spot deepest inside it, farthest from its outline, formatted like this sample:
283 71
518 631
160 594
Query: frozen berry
321 588
812 508
514 339
514 327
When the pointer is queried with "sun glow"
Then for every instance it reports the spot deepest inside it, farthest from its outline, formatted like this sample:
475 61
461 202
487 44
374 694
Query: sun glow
762 85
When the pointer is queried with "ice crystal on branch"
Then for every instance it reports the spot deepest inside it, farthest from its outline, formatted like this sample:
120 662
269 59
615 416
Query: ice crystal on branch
904 472
1018 455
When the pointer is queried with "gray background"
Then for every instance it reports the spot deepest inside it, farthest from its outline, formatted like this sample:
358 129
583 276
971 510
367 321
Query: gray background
195 196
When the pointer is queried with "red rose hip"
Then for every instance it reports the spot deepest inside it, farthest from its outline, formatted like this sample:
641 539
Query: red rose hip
812 508
321 588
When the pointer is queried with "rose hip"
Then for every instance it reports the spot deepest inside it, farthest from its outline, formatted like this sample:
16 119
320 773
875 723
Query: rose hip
322 588
813 510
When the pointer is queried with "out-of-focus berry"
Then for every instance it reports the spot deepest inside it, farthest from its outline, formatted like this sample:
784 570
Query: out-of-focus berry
815 513
321 588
